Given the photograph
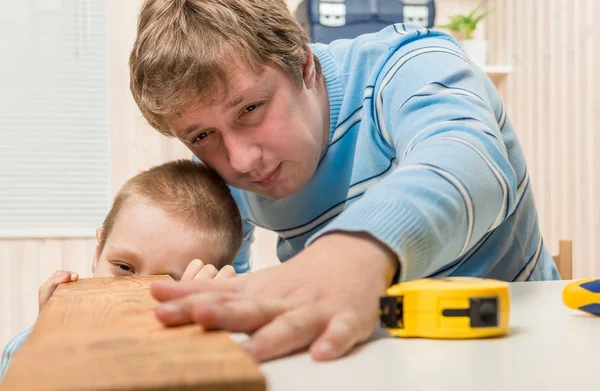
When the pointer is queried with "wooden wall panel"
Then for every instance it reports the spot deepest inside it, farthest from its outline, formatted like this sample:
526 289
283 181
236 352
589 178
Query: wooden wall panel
552 99
24 266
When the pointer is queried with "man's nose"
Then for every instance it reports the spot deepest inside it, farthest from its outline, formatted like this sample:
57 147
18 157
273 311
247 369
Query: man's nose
243 154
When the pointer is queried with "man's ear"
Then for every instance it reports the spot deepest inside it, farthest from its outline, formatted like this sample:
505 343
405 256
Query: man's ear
309 72
99 234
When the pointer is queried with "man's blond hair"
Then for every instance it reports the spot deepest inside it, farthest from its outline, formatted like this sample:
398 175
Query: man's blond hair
183 49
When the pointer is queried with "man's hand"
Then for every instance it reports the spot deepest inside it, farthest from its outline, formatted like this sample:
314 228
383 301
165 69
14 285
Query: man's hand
326 298
198 270
48 288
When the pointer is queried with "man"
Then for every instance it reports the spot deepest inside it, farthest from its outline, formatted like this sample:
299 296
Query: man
376 160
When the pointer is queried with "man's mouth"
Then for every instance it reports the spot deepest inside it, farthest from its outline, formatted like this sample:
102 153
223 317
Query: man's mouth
270 179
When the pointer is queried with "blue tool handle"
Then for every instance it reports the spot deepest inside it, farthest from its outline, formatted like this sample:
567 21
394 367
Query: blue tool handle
593 287
583 295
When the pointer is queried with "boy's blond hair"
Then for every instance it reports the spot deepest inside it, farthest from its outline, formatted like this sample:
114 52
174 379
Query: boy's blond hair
183 48
191 193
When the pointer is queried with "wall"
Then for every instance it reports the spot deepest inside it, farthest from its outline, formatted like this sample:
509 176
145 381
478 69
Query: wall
26 264
552 98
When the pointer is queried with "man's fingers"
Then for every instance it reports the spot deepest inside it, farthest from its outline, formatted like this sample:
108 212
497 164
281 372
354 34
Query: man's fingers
192 269
179 311
171 290
225 311
342 333
226 272
208 272
287 333
237 314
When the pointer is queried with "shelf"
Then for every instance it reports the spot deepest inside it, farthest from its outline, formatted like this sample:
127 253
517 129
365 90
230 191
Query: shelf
497 69
497 73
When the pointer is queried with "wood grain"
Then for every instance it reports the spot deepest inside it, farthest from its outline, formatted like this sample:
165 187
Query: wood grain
101 334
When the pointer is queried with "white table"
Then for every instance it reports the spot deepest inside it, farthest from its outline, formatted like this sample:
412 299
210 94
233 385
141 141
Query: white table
549 347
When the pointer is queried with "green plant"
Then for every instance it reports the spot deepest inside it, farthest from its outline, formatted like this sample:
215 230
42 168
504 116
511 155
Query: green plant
465 25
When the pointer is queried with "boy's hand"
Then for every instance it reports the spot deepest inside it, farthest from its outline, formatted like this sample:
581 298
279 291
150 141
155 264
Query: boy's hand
197 270
48 288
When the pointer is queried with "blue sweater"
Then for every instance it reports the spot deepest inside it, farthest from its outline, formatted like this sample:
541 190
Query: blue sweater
422 156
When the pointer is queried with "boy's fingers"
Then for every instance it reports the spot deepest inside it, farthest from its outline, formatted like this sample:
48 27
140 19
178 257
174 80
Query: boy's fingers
48 287
226 272
55 279
192 269
208 272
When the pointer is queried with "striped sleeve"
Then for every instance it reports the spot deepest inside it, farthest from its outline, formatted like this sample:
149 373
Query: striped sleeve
453 182
243 260
11 348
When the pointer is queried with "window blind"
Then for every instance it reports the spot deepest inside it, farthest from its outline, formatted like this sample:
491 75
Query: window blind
54 157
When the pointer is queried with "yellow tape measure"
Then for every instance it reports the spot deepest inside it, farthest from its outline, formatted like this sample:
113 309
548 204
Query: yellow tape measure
453 307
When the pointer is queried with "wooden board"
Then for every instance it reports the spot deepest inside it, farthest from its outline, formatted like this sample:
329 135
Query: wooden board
101 334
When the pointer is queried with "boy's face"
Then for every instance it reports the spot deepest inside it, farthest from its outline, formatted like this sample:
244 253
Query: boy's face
267 136
146 241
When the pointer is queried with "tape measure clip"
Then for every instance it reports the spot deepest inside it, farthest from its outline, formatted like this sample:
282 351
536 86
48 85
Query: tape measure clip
392 312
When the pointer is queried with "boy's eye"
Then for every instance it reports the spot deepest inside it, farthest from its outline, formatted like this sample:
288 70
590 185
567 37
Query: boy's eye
123 267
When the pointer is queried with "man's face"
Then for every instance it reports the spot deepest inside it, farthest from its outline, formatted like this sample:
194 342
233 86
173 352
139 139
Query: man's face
267 136
147 241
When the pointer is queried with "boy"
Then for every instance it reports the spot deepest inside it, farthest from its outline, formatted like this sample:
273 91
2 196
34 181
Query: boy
160 220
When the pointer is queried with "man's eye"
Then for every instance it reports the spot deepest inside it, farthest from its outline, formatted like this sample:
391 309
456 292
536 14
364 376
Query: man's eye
201 136
251 108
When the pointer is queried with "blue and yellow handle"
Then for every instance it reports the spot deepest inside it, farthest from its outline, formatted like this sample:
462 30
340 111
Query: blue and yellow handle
583 295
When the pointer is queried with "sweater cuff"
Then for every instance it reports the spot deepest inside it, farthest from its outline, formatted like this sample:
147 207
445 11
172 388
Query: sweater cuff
392 224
